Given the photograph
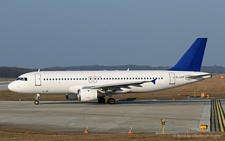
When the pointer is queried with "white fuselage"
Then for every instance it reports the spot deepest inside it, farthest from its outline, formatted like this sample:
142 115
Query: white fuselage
50 82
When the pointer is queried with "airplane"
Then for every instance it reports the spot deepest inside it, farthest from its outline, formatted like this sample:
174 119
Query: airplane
92 85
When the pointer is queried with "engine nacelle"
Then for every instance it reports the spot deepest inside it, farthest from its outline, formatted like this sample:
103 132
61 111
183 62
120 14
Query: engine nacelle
71 96
87 94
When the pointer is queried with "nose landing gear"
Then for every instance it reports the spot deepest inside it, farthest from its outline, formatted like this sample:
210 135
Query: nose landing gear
36 101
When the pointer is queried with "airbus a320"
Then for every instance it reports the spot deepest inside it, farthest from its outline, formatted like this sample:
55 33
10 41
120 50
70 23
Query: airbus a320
91 85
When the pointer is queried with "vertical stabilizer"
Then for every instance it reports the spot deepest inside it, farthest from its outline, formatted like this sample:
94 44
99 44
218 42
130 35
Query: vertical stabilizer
192 59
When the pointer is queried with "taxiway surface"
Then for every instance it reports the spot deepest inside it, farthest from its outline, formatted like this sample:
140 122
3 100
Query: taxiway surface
181 116
4 85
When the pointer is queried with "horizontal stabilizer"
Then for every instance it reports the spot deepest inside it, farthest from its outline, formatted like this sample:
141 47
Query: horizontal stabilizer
193 76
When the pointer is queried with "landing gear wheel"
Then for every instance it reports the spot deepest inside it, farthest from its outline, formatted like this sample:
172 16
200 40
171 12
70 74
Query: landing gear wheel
36 102
111 101
101 100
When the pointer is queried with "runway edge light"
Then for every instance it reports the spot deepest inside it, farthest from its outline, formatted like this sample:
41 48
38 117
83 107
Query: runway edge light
203 127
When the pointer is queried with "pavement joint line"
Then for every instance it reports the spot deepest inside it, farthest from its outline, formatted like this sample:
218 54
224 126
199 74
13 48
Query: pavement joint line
205 116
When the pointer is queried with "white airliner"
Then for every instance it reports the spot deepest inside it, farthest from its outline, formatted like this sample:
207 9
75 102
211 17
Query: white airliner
91 85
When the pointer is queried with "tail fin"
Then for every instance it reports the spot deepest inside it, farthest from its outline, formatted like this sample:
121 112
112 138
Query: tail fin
192 59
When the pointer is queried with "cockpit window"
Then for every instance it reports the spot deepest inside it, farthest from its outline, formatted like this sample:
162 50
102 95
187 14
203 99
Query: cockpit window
22 79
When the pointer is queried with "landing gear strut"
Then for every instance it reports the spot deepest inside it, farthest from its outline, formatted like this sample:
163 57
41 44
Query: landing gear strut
101 100
36 101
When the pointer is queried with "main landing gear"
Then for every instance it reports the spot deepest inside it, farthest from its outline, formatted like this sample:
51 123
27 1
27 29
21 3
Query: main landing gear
109 101
101 100
36 101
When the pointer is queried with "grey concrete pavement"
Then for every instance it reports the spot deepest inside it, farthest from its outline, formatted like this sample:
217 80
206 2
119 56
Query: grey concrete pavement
4 85
143 116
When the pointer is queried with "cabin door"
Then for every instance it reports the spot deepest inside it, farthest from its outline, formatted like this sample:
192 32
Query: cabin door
172 78
37 79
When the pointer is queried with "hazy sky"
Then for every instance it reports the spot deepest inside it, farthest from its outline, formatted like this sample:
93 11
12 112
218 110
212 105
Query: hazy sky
48 33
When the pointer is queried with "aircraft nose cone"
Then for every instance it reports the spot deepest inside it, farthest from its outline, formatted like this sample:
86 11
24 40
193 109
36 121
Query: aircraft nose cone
11 86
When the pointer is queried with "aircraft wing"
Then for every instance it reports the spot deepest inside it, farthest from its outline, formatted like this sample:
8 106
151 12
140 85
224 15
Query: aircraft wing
125 84
115 86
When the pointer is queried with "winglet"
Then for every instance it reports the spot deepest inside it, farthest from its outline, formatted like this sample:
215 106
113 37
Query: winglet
192 59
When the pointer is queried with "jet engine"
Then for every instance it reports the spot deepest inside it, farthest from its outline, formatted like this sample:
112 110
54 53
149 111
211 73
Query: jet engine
87 94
